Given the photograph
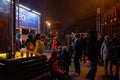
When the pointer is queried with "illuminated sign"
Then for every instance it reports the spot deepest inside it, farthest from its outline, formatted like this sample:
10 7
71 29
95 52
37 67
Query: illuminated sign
4 6
27 19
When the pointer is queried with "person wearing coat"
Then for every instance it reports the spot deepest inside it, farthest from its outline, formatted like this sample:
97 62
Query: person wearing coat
65 58
77 53
56 72
54 43
92 53
39 46
116 54
106 54
30 45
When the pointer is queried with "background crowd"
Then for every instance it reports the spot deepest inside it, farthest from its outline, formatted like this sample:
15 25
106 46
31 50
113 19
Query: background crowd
81 48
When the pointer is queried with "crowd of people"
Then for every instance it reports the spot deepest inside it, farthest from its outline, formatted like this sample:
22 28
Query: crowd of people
79 47
110 52
33 45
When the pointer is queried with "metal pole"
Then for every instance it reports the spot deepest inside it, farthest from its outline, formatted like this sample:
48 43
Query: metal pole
39 25
14 26
18 24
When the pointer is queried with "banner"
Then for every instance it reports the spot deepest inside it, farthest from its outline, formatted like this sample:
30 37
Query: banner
27 19
4 6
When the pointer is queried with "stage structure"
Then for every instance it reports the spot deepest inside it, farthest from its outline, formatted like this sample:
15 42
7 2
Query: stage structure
16 19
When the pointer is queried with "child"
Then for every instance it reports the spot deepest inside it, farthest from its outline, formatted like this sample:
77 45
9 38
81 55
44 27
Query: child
55 71
65 58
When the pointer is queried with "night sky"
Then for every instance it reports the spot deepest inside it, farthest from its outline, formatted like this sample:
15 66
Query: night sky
65 11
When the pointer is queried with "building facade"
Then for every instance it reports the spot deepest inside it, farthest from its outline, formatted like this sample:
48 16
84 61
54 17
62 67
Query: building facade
111 17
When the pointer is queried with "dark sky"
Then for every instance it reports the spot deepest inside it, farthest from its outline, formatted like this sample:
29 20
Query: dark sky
65 11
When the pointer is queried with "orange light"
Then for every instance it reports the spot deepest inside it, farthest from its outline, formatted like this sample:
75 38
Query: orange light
111 20
48 24
105 23
115 19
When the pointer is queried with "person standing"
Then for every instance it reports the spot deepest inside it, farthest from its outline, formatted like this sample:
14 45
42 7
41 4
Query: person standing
55 71
106 53
70 45
92 54
77 53
83 41
18 42
65 58
116 54
30 44
54 43
59 49
39 46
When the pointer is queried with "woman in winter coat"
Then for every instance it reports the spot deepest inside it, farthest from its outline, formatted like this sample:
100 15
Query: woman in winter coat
106 53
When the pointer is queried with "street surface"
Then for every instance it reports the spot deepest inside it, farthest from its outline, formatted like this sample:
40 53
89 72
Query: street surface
84 70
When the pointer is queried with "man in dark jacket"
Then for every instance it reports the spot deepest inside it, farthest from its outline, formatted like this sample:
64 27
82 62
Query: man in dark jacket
92 48
116 54
77 53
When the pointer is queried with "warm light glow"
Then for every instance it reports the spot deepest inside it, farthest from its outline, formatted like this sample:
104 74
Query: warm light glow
99 10
115 19
111 20
56 32
105 23
48 24
3 55
17 56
